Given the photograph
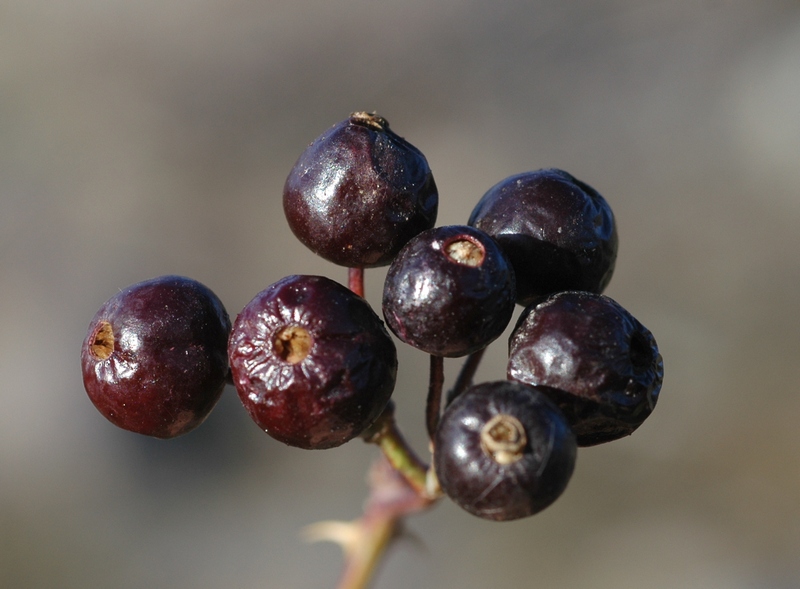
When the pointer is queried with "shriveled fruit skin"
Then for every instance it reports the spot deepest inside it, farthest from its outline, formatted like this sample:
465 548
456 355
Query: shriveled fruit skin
312 362
506 489
359 192
444 307
558 232
603 366
155 356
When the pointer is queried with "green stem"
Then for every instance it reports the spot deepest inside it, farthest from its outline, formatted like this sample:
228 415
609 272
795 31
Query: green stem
386 435
366 540
398 488
362 560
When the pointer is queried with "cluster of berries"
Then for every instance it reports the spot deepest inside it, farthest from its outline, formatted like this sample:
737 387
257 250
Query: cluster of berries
315 367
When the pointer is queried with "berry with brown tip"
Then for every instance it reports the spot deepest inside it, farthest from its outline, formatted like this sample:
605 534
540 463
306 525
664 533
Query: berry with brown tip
503 451
155 356
449 292
602 364
312 362
359 192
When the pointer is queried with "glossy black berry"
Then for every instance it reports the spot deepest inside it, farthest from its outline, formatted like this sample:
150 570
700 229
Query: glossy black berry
312 362
155 357
503 451
558 232
449 292
604 366
359 192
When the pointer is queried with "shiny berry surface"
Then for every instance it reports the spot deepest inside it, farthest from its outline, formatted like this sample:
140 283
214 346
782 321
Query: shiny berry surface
603 365
154 359
503 451
558 232
359 192
449 292
312 362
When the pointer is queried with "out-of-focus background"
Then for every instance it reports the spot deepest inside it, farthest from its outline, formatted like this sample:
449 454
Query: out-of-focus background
146 138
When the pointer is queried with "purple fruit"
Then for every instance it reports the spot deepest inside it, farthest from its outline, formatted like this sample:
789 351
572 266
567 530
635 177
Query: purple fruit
449 292
558 232
359 192
312 362
603 366
503 451
154 359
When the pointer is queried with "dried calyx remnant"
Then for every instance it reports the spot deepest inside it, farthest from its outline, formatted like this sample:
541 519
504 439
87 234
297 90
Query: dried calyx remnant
503 438
293 344
465 251
370 119
103 345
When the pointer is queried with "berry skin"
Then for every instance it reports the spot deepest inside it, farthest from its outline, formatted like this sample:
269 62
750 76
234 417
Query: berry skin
558 232
604 366
359 192
312 362
154 360
449 292
503 451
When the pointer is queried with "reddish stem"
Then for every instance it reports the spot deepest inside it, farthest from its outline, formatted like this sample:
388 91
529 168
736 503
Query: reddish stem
433 407
355 280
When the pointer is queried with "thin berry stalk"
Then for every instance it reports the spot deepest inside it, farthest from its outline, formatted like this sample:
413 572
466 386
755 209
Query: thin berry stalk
355 280
433 407
466 375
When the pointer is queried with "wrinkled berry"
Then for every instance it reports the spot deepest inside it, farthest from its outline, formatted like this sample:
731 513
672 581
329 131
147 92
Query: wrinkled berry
359 192
558 232
503 451
604 366
312 362
154 359
449 292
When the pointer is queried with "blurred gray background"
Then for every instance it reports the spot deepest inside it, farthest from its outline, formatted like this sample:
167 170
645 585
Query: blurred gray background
145 138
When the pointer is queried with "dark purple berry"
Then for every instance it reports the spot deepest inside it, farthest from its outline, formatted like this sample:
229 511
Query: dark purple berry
449 292
503 451
558 232
359 192
602 364
312 362
155 358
